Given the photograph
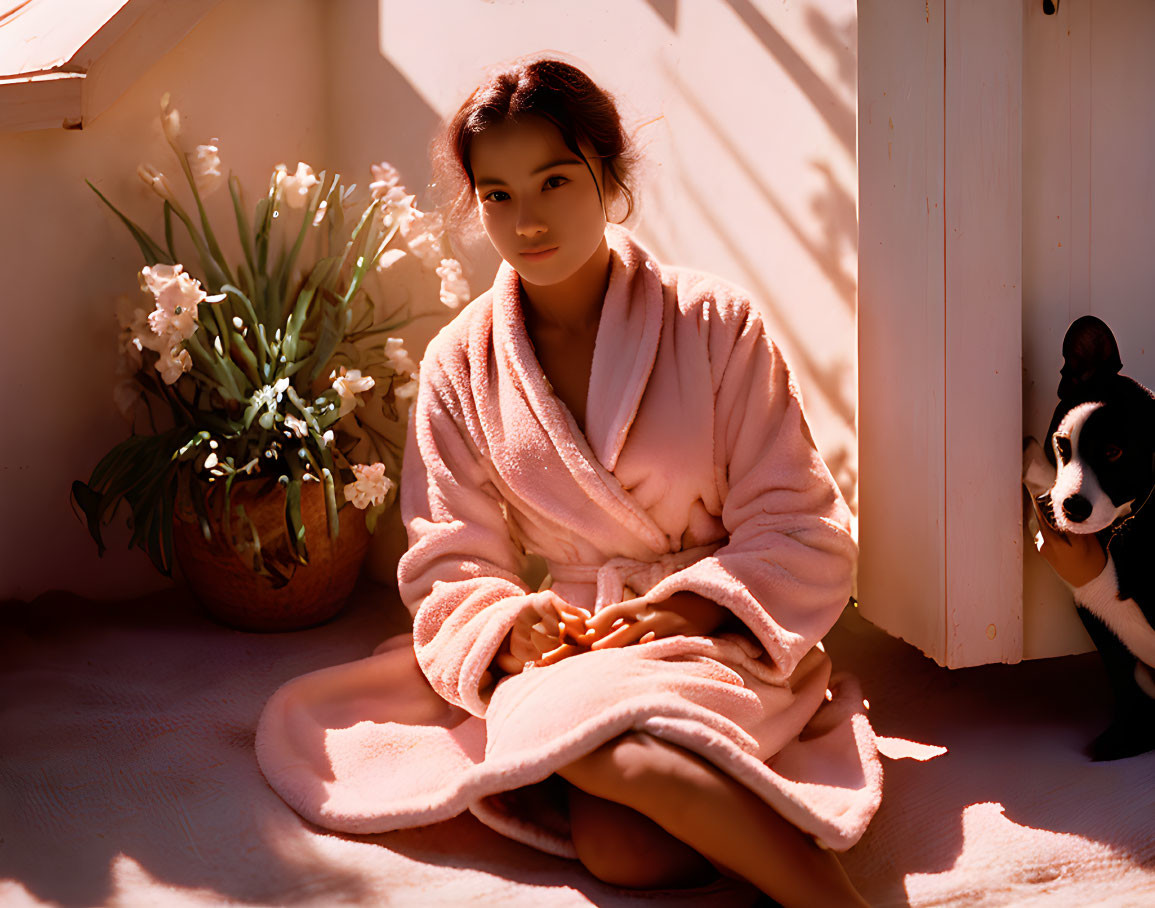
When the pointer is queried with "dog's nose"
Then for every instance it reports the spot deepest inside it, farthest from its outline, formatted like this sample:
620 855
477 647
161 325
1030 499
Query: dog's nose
1077 508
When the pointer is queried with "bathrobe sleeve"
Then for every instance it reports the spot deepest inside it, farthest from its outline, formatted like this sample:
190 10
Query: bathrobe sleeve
460 575
786 570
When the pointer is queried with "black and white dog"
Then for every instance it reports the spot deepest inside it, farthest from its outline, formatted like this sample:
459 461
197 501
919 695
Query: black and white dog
1096 475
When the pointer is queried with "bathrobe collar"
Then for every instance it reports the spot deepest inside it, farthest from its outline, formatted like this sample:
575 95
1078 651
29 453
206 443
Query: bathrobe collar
626 346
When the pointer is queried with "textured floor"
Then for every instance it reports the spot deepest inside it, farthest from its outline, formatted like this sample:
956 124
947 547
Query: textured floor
127 778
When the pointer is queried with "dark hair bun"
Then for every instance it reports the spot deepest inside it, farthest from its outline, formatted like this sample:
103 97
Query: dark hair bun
554 90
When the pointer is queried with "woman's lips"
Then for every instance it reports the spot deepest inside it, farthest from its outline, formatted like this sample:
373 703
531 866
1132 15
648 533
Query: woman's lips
539 254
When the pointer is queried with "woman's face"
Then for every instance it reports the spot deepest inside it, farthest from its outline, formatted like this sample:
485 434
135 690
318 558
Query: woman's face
538 202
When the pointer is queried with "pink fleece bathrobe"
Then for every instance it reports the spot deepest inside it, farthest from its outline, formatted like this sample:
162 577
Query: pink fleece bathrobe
696 471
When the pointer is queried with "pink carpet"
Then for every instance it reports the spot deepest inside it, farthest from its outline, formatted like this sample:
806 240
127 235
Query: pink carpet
127 777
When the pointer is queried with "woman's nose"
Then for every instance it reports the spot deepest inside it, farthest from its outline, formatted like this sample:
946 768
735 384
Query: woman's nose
529 221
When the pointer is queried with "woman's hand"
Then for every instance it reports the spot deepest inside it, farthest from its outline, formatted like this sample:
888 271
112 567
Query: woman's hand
537 637
636 621
1076 557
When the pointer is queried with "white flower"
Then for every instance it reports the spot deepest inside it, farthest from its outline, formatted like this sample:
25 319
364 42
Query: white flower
177 296
395 197
264 397
269 396
454 289
407 391
399 359
385 177
169 118
348 385
296 186
431 222
427 247
396 203
371 486
298 426
206 168
172 364
397 208
428 243
389 258
154 180
139 336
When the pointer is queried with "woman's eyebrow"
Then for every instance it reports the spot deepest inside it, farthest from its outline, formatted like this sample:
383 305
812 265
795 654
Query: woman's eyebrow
560 162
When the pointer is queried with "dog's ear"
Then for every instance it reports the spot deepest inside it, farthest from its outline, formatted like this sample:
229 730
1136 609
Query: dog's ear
1090 354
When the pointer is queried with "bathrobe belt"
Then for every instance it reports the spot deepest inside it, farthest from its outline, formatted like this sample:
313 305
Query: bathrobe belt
624 578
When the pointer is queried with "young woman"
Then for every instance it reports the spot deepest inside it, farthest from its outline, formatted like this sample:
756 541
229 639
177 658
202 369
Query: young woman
592 407
661 709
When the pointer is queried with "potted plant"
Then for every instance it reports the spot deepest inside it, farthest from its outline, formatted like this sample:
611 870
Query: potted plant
272 391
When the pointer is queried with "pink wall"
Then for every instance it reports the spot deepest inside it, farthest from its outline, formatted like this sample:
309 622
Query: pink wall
745 111
253 78
750 174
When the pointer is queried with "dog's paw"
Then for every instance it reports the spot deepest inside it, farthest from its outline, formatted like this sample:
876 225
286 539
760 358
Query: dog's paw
1038 474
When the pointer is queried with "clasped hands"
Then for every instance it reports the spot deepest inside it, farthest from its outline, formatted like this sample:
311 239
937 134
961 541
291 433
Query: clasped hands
552 632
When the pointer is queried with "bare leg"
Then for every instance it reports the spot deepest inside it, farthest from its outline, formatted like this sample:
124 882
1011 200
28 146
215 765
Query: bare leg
715 815
621 847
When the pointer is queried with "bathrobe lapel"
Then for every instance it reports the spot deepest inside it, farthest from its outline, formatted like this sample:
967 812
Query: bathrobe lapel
624 352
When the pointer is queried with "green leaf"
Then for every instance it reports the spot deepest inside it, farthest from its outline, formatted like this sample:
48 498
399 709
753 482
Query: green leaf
152 253
226 515
364 263
89 502
319 275
214 255
250 315
215 275
198 495
331 515
168 230
285 263
242 223
293 522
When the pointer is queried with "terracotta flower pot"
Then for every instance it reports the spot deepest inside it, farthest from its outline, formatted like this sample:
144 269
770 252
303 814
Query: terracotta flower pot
236 595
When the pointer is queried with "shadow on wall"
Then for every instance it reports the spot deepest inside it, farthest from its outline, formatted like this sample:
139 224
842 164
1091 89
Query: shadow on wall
747 114
374 114
825 230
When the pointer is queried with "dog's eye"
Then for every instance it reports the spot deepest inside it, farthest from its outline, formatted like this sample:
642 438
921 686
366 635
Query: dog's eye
1063 447
1113 453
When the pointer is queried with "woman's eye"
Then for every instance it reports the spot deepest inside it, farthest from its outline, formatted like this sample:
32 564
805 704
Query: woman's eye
1113 453
495 195
555 181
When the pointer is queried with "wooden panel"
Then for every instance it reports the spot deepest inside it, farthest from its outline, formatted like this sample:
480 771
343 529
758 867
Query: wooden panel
1056 275
901 582
41 36
983 455
1122 177
93 57
123 51
1089 193
41 102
